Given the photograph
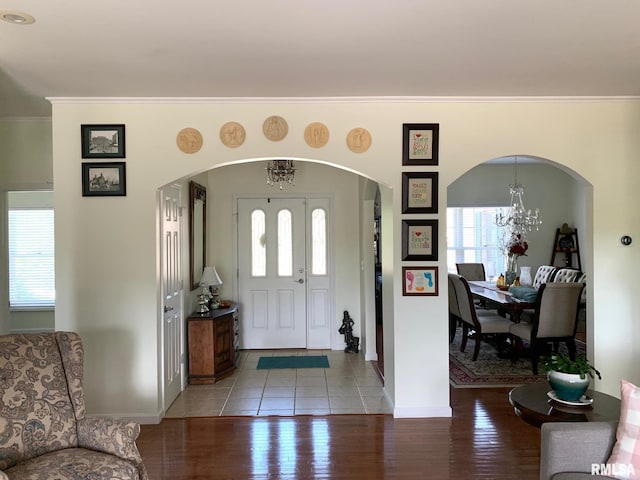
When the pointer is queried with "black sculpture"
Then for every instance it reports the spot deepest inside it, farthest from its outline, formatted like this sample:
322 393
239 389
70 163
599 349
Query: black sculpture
346 329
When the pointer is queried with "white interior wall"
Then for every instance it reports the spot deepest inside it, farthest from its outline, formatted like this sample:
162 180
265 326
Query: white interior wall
26 153
116 312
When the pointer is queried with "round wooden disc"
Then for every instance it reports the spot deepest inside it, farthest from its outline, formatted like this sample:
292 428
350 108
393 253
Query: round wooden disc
359 140
189 140
275 128
232 134
316 135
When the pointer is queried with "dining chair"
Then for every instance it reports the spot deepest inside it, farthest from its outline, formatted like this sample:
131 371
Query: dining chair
566 275
555 320
476 323
543 275
471 271
454 312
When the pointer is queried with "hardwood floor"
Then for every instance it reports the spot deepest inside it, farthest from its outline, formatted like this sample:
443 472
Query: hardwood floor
483 439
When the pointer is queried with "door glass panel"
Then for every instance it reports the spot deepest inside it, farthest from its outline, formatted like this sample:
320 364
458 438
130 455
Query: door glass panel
318 242
258 244
285 244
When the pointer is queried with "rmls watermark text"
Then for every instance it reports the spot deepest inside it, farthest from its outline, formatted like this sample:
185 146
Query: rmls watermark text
613 469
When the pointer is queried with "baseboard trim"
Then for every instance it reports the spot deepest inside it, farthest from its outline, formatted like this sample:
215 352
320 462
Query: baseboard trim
421 412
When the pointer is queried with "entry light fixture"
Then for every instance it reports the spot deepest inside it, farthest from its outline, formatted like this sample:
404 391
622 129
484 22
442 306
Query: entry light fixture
281 172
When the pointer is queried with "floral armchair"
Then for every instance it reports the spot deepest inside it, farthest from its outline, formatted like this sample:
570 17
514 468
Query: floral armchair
44 430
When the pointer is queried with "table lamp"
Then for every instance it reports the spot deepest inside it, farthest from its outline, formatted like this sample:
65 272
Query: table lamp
210 282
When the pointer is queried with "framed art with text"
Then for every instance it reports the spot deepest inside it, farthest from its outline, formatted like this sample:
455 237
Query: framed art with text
102 141
420 240
420 192
104 179
420 281
420 143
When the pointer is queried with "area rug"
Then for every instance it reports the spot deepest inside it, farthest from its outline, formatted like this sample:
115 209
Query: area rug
293 361
489 370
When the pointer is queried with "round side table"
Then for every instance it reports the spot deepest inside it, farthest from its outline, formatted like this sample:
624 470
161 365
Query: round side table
530 402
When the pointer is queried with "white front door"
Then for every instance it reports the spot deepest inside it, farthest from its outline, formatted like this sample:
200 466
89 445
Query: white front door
171 292
272 272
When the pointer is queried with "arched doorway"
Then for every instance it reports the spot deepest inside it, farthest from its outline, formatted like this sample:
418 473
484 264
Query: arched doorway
352 252
563 196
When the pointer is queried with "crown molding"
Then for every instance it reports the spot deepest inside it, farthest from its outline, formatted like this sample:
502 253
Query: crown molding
325 100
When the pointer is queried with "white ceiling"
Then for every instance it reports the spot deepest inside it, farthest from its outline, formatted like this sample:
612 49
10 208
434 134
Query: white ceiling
317 48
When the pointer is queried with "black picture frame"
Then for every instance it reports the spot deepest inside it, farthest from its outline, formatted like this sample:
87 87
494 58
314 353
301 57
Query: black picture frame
420 142
420 280
420 192
103 141
104 179
420 240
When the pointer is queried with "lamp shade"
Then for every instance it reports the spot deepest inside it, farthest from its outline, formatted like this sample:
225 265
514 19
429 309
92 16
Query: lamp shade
210 277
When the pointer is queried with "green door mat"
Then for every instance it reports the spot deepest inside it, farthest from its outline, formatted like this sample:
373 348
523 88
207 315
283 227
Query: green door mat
294 361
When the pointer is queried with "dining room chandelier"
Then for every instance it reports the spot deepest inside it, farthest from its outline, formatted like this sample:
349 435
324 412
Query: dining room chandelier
518 219
280 172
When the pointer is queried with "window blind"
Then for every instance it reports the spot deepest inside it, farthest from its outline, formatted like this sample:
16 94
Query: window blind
473 237
31 258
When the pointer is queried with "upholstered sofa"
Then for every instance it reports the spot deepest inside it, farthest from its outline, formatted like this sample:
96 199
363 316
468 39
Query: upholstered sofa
575 450
45 432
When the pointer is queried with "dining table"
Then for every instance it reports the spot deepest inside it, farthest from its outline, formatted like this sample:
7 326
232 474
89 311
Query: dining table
490 292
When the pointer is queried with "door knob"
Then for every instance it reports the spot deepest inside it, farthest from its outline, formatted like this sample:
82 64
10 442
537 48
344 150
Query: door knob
167 308
299 280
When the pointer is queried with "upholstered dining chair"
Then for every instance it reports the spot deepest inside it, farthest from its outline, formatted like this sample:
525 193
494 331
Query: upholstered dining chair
476 323
454 312
566 275
471 271
554 321
543 275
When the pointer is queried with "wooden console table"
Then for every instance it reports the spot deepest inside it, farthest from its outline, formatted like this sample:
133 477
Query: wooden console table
213 344
530 402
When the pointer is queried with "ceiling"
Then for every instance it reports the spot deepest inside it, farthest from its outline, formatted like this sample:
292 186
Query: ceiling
317 48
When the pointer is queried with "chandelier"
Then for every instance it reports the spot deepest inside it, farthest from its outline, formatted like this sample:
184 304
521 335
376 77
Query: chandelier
281 172
518 219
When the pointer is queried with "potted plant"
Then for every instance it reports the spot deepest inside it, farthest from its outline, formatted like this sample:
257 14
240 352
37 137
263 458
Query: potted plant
569 378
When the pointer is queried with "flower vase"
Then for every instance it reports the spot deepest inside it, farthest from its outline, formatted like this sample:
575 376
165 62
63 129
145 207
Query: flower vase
512 269
525 276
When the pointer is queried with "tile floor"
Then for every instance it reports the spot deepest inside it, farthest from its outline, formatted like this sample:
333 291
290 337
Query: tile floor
350 385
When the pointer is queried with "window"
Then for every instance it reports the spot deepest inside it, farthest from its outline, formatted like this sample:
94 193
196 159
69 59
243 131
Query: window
258 245
285 244
31 250
473 237
318 242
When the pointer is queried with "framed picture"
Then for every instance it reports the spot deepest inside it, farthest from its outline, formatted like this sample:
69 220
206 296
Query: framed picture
102 141
420 240
104 179
420 192
420 143
420 281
